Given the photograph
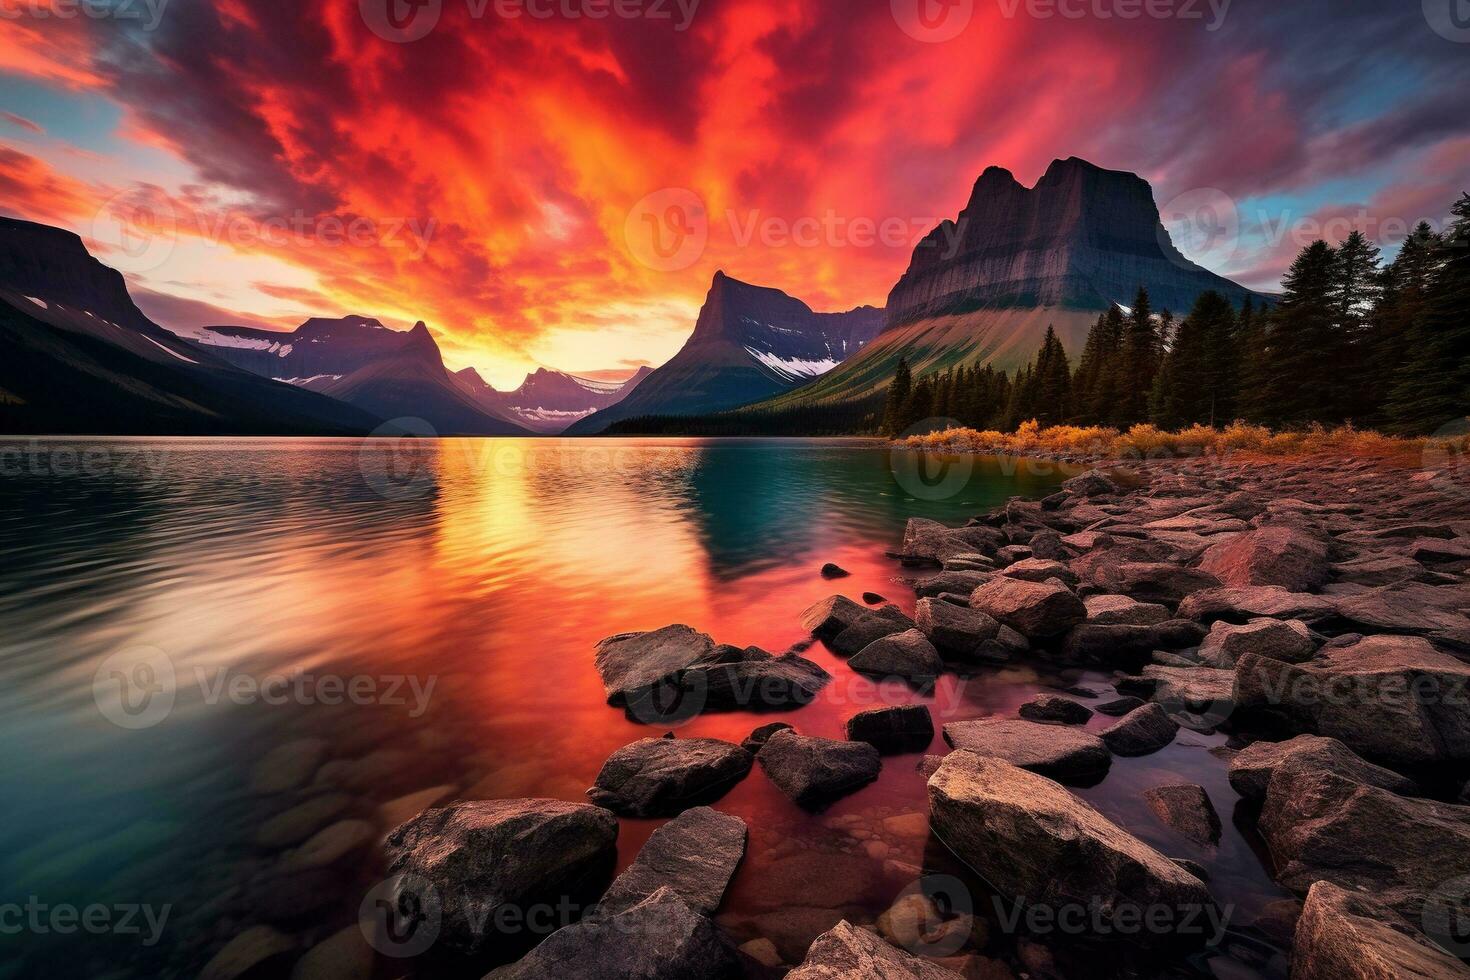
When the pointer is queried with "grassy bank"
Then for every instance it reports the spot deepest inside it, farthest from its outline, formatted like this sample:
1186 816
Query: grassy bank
1146 441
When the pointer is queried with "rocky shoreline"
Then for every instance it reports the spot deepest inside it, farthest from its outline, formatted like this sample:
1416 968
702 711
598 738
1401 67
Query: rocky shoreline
1312 611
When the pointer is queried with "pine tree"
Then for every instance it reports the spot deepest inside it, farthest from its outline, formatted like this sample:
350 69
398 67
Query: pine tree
1255 393
1355 290
1305 344
1053 380
1136 364
1402 291
898 397
1432 386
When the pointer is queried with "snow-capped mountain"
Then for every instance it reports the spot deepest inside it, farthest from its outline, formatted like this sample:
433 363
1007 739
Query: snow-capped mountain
321 348
549 401
750 342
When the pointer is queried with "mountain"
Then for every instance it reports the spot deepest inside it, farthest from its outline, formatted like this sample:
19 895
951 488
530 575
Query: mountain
319 348
411 381
749 343
77 356
549 401
1016 260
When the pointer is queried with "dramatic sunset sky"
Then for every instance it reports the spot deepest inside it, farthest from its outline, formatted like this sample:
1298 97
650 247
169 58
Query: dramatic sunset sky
496 177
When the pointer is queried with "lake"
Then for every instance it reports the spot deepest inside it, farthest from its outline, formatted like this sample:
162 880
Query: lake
200 635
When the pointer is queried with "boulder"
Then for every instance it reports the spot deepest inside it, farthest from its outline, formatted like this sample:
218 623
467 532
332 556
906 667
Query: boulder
1050 707
749 678
475 858
1238 605
830 616
1120 610
1048 544
1039 844
1271 555
1252 767
926 540
655 777
1161 582
813 771
954 581
1377 569
846 952
1286 640
1039 570
1093 483
1120 644
633 663
1323 826
964 634
1052 750
660 938
1141 731
1392 699
1118 707
1087 540
695 854
1186 808
908 655
1348 935
1033 609
753 742
1201 697
1433 551
832 570
903 728
1410 607
873 625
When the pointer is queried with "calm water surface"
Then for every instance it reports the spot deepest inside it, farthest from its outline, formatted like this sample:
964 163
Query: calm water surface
410 626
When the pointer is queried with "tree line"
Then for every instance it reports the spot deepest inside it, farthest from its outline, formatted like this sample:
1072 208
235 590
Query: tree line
1351 339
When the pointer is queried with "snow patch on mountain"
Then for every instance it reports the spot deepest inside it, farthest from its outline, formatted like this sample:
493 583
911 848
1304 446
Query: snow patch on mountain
792 368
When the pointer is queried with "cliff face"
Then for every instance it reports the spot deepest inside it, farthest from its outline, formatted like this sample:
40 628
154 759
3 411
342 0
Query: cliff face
1083 238
750 342
320 347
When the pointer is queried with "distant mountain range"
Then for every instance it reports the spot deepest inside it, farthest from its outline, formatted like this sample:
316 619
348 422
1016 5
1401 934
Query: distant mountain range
549 401
750 342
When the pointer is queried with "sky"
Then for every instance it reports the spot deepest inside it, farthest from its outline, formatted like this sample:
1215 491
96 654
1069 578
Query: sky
553 183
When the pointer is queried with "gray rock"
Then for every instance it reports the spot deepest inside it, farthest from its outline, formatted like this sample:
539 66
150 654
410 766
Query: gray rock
1120 645
1141 731
1373 570
1093 483
1119 707
814 772
1411 607
964 634
660 938
753 742
1186 808
633 663
830 616
952 580
1033 609
1162 582
1252 767
1039 570
1050 707
1392 699
926 540
1321 826
1348 935
848 953
898 729
1287 640
655 777
751 678
908 655
481 856
1052 750
873 625
695 854
1037 843
1120 610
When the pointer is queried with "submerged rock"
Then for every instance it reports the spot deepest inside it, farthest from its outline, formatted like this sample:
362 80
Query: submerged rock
831 570
1186 808
660 938
903 728
848 953
478 857
1033 609
813 771
1053 750
251 953
663 776
1038 844
1349 935
695 854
